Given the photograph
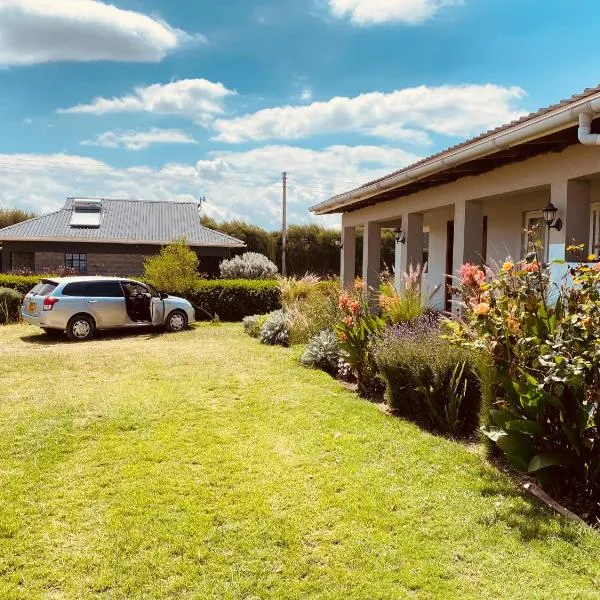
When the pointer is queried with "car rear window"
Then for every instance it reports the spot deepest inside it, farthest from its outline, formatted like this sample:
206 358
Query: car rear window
75 289
44 288
104 289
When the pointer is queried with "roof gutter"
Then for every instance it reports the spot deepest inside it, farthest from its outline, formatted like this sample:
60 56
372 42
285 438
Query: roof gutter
519 134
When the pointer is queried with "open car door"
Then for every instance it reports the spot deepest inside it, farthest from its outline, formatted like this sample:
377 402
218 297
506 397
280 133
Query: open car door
157 307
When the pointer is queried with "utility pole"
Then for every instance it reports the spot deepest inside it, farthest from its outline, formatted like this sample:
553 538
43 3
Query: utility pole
284 225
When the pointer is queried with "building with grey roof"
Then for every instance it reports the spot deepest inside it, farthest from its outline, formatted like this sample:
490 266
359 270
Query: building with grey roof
102 236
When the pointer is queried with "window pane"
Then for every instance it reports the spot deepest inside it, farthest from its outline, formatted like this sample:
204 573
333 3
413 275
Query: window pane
75 289
105 289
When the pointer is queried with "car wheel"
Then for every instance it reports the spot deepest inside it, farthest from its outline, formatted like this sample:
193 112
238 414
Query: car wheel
176 321
53 333
81 328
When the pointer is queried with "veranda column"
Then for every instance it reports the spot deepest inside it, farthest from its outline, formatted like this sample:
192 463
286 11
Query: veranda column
468 234
372 254
348 266
572 199
412 253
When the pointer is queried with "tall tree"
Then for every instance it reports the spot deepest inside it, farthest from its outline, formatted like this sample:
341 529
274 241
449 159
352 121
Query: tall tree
12 216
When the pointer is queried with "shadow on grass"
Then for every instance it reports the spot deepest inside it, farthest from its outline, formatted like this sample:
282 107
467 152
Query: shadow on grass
45 339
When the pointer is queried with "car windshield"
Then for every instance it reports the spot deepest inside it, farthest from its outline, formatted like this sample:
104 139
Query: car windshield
43 288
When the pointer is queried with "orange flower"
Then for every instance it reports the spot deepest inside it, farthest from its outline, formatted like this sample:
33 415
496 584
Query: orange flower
343 337
482 309
532 267
513 324
349 322
508 266
343 301
359 286
471 275
354 307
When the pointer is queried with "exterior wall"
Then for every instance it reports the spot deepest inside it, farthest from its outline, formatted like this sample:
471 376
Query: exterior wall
46 261
102 259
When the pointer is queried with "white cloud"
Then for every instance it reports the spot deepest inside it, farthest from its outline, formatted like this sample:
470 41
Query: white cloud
41 31
457 110
237 184
306 95
371 12
139 140
199 100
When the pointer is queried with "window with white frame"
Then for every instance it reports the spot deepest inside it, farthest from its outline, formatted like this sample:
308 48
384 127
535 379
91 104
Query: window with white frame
595 228
533 221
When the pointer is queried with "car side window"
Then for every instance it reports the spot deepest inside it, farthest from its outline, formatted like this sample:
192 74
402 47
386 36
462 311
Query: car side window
153 291
105 289
133 288
77 289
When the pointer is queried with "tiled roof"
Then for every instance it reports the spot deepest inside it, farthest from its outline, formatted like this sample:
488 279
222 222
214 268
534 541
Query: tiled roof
125 221
542 111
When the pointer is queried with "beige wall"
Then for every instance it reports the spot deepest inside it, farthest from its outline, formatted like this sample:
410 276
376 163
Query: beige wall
505 194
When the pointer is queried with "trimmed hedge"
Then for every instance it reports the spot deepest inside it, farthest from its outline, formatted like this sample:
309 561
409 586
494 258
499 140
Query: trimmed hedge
233 299
229 299
21 283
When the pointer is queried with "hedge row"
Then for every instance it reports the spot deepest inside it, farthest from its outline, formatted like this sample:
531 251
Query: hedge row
230 300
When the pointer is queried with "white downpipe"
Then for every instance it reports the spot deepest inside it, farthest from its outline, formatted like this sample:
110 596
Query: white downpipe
585 134
556 120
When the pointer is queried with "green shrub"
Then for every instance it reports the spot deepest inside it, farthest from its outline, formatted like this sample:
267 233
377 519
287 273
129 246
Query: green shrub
233 300
253 324
323 352
543 344
428 379
175 268
10 305
20 283
248 266
275 332
311 306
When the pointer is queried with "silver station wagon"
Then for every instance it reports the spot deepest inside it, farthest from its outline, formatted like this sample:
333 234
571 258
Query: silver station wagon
81 305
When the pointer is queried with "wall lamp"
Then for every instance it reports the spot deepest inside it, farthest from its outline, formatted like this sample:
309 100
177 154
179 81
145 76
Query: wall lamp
550 219
399 236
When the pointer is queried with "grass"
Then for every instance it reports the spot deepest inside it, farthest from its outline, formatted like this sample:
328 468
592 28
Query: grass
204 465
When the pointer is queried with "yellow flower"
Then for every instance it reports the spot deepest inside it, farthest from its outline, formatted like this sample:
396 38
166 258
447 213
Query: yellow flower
508 266
591 257
513 324
482 309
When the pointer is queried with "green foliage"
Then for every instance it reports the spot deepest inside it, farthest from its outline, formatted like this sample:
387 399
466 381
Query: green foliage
311 306
274 332
12 216
323 352
429 380
250 265
256 239
175 268
232 300
10 305
545 415
20 283
253 324
356 331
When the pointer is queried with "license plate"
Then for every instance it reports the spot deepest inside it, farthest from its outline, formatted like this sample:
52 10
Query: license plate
31 307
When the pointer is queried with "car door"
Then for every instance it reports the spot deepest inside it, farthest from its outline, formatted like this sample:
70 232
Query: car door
107 303
157 307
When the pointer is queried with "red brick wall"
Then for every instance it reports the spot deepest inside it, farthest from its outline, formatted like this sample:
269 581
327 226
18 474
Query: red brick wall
115 264
45 261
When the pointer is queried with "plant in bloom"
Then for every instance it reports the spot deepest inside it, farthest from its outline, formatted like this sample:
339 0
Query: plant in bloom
471 275
543 344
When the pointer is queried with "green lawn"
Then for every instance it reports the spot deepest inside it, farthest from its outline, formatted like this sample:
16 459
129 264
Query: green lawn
204 465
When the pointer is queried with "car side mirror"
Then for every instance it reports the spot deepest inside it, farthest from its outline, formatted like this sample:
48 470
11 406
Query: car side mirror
163 295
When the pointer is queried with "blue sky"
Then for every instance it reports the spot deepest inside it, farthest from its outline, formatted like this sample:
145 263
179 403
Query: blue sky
173 100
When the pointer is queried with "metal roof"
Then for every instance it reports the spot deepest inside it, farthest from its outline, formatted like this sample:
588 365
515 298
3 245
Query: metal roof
124 222
327 204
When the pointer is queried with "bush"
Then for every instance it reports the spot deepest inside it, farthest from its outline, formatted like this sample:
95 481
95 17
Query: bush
311 306
248 266
175 268
545 415
428 379
21 283
233 300
253 324
10 305
323 352
275 332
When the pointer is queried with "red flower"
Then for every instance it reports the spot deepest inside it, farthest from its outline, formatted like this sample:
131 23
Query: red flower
343 337
343 301
471 275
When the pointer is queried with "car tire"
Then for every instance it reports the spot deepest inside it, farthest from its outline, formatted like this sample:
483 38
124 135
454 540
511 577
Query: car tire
81 328
176 321
53 333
